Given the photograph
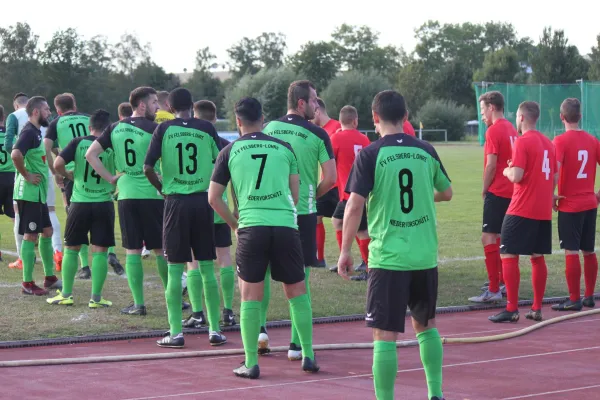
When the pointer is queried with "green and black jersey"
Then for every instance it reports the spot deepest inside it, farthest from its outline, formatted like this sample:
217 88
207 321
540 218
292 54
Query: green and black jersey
312 147
398 174
218 219
259 167
88 186
67 127
129 139
188 149
31 145
7 168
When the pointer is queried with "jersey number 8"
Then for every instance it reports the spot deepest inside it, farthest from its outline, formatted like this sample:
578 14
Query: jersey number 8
405 178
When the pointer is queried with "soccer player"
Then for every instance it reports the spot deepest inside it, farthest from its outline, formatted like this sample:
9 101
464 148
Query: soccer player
7 176
124 111
312 147
497 189
346 144
140 204
407 127
577 154
91 212
164 112
527 226
264 173
326 204
31 189
402 177
187 148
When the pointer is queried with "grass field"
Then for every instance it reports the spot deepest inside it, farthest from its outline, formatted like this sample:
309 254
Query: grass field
462 272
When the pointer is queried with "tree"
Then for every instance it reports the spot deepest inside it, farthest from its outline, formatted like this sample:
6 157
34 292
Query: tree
594 73
501 65
204 59
18 43
248 56
202 84
317 61
454 82
414 84
129 53
443 114
148 73
556 61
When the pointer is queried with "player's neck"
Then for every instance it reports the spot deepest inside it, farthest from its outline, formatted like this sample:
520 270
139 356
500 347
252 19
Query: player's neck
526 129
296 112
137 114
390 129
36 124
183 114
324 121
572 127
497 117
250 130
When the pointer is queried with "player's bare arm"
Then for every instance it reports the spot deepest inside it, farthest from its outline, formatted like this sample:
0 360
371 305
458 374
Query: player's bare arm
93 157
489 173
352 216
59 167
153 177
514 174
295 187
446 195
329 177
215 199
19 162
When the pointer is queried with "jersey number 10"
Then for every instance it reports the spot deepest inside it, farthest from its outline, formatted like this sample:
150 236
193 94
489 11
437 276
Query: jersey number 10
78 130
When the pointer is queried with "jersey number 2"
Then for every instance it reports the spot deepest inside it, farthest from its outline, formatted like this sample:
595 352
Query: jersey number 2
263 158
582 155
406 193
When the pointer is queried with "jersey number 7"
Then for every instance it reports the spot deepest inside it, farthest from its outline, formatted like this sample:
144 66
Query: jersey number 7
263 161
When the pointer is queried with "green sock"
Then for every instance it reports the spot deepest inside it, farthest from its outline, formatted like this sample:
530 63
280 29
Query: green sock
28 258
385 367
111 250
99 272
69 269
295 338
84 255
195 288
211 294
250 326
264 305
173 296
163 270
135 277
227 286
47 254
432 357
301 312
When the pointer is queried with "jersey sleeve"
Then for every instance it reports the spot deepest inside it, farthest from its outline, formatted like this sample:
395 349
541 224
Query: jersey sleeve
68 153
491 142
293 160
597 151
52 132
155 149
362 175
325 149
441 180
335 146
559 150
26 141
519 154
105 139
221 173
12 127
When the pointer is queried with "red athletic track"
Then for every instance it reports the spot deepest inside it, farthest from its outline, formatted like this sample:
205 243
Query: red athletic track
556 362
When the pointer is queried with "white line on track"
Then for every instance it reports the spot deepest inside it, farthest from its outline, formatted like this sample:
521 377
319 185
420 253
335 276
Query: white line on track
494 360
527 396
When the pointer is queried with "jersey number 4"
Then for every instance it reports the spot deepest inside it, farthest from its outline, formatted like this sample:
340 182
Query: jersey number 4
405 178
546 165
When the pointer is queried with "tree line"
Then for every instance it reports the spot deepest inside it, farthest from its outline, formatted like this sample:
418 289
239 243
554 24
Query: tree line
436 77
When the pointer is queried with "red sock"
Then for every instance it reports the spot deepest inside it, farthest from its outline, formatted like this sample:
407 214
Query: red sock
338 236
590 270
500 278
573 274
539 276
363 245
491 264
512 278
320 241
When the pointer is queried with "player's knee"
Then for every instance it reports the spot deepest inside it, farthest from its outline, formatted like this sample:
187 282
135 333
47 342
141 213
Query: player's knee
488 238
419 327
31 237
337 224
47 232
384 336
73 248
295 289
319 219
588 253
251 291
363 235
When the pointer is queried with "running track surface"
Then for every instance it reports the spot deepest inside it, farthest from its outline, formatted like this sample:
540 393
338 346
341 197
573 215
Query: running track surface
533 366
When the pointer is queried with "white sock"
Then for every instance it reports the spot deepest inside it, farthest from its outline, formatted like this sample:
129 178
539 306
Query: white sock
18 238
56 241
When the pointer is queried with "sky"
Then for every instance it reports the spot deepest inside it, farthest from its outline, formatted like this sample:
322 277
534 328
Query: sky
175 33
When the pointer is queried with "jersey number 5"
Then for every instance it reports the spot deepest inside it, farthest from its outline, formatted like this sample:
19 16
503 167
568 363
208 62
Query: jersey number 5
3 155
263 158
582 155
405 178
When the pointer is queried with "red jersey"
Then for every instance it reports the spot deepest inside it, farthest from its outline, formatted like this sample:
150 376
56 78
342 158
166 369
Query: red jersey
532 197
577 152
499 140
408 128
346 145
332 126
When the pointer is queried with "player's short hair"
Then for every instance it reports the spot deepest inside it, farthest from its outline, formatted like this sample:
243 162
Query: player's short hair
248 109
125 110
180 99
33 104
530 110
64 102
205 109
321 103
139 95
571 110
100 120
298 90
163 95
348 114
390 106
20 98
494 98
1 113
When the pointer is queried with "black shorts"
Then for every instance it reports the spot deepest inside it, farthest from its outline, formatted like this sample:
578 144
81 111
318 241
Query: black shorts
68 190
222 235
339 214
525 236
494 210
141 220
33 217
390 292
277 246
307 227
577 231
95 219
6 200
326 204
188 227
